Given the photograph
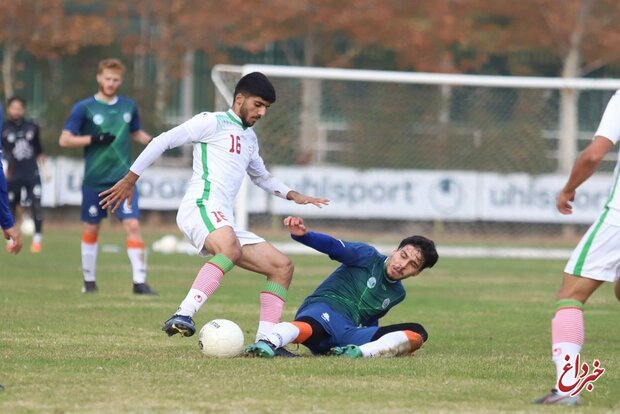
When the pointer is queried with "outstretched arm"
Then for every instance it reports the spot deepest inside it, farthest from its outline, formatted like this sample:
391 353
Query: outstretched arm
318 241
585 165
347 253
123 190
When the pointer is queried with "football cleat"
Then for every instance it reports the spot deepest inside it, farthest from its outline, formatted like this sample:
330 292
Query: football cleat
555 398
35 247
179 324
348 351
262 349
89 287
143 289
285 353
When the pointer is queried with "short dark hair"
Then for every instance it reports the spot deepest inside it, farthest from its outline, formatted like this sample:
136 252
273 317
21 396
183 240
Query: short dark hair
427 248
16 98
256 84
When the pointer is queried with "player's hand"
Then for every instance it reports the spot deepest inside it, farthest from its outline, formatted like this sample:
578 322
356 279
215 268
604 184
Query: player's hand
304 199
15 240
295 226
121 192
564 200
105 138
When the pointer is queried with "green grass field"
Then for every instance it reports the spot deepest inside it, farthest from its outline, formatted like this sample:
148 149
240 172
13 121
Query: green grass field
65 352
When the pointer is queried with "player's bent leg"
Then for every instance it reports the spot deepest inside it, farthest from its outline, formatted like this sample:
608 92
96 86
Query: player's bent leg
205 284
265 259
224 241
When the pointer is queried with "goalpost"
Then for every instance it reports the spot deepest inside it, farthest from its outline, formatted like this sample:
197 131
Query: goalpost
405 120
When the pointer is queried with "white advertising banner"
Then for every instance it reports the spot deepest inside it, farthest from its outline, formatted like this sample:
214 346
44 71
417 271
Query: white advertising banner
380 193
521 197
398 194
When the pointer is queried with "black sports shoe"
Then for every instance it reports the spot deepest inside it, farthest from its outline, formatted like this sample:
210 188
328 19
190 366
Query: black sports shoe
179 324
143 289
285 353
89 287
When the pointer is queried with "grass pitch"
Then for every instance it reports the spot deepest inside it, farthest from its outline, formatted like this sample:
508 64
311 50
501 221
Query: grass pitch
62 351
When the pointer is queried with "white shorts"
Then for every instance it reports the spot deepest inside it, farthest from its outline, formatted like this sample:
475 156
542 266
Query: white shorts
597 256
198 221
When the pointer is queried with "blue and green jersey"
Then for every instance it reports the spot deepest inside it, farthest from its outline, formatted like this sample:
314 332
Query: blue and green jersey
359 288
105 165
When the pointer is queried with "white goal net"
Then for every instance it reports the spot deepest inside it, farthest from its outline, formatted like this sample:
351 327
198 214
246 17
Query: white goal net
467 152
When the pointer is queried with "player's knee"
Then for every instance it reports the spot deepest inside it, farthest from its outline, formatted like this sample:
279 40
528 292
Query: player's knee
233 253
285 268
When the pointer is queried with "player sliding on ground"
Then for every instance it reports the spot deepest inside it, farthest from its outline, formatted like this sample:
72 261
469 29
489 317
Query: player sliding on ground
341 316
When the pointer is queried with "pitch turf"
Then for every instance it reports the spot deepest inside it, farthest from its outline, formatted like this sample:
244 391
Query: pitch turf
65 352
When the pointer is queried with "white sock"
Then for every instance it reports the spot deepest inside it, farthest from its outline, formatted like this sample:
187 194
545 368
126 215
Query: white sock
89 261
137 257
282 334
264 329
192 303
37 238
390 344
559 359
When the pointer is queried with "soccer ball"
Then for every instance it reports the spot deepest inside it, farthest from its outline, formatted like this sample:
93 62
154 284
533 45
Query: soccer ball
27 227
221 338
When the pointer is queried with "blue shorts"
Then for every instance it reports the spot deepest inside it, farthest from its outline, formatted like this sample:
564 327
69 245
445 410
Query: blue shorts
341 330
93 213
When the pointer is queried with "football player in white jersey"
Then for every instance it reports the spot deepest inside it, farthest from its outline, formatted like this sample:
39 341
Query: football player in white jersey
595 260
225 149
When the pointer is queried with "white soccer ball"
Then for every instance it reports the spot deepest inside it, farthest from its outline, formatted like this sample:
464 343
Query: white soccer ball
221 338
27 227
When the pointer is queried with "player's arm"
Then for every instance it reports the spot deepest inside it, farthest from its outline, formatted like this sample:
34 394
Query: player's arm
141 137
123 189
347 253
263 179
585 165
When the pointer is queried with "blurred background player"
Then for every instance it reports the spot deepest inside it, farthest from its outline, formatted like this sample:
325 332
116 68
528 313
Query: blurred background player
341 316
102 124
225 149
9 230
595 260
22 147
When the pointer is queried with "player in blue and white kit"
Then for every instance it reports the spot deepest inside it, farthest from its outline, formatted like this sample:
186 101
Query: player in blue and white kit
225 149
104 125
595 260
341 316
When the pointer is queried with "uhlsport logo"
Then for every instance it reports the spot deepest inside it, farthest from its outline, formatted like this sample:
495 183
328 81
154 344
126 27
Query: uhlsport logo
579 376
446 195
